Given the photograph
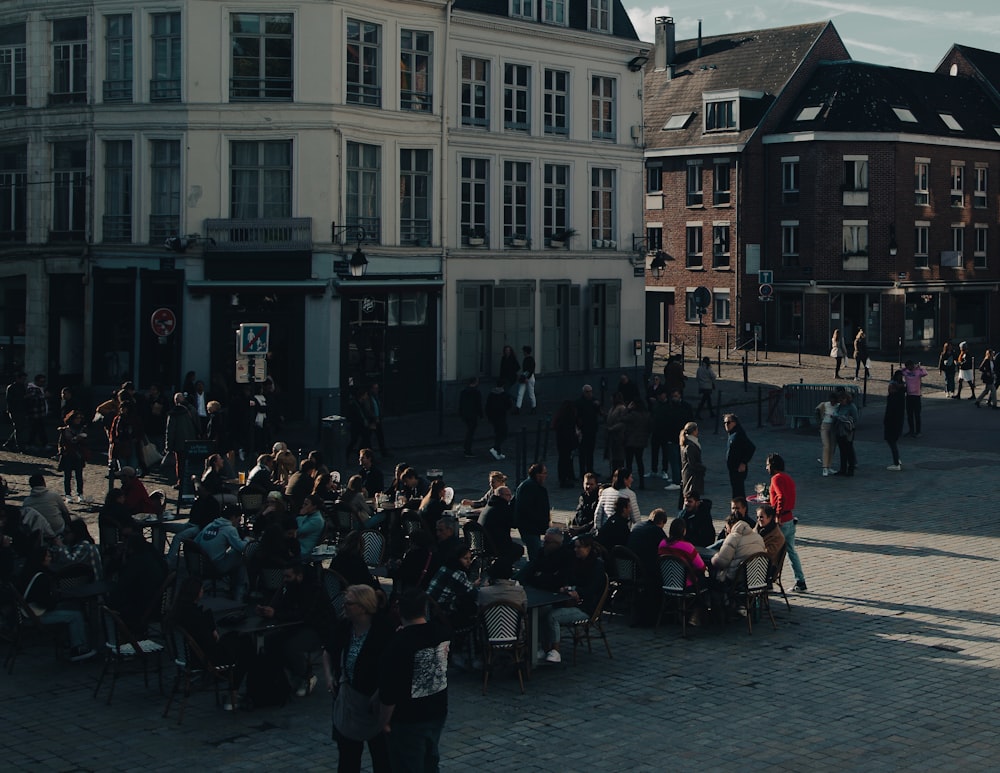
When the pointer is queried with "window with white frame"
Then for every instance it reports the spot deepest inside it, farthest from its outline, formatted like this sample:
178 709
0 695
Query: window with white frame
69 61
555 102
13 65
789 243
693 238
165 83
855 238
164 189
720 306
979 197
695 193
600 15
720 116
958 237
690 307
261 57
475 96
260 179
363 193
654 238
118 58
364 63
603 193
414 196
921 240
603 124
554 11
516 203
856 173
555 200
522 9
721 192
117 221
69 190
958 184
720 245
982 240
474 199
13 193
415 77
516 97
790 180
921 181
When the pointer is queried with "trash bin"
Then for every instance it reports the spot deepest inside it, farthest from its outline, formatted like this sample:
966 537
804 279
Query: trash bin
334 437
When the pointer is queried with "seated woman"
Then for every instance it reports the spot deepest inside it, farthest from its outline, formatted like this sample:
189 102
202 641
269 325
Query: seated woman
433 505
76 546
350 561
453 591
327 487
621 486
586 586
354 500
414 570
212 482
141 572
200 625
37 585
310 524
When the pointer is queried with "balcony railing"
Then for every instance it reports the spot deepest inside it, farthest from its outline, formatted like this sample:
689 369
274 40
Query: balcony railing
117 229
292 233
163 226
165 90
362 94
265 89
415 231
118 91
418 101
68 98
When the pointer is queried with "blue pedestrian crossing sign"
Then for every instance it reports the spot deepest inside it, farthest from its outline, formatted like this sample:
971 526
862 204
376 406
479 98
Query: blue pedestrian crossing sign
254 338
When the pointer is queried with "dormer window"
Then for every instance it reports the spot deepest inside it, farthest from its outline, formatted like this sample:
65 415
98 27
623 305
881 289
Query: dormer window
677 121
600 15
522 9
720 116
554 12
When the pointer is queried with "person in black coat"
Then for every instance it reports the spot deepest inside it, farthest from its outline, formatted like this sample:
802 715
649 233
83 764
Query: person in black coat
364 622
498 405
372 479
644 540
470 410
895 413
697 515
497 519
564 424
739 452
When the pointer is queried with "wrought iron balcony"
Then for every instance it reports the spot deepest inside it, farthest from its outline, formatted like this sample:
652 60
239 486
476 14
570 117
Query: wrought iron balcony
162 226
165 90
291 233
117 229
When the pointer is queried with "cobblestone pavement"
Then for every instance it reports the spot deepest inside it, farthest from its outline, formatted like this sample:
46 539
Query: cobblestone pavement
887 662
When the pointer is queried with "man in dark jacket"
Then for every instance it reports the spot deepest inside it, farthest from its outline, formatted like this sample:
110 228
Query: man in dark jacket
532 509
588 412
372 479
497 519
678 412
739 452
498 405
181 428
470 409
697 515
583 519
644 540
551 568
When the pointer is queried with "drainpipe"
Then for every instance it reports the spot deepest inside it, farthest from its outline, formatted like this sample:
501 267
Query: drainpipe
442 220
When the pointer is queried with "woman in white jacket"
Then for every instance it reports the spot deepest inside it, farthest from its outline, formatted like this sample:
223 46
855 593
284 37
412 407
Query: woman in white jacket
621 486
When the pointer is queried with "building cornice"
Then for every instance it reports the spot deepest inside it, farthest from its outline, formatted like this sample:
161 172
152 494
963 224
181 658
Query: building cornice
887 137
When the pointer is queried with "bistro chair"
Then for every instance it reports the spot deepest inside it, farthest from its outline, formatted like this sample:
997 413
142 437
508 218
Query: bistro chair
774 575
582 627
628 577
674 575
198 564
73 576
752 588
373 547
26 625
475 538
334 584
503 633
122 647
193 669
160 606
251 502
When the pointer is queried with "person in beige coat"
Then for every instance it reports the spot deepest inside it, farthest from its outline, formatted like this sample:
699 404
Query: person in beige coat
740 543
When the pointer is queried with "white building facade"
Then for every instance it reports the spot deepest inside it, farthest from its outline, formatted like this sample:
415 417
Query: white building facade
447 143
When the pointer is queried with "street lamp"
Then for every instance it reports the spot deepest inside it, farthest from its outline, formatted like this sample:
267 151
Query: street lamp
658 264
358 264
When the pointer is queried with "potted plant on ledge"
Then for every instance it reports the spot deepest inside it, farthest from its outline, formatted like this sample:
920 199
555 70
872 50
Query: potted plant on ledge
477 237
518 240
561 237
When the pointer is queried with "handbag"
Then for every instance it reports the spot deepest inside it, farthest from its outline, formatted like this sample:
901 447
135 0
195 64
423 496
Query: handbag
356 716
151 454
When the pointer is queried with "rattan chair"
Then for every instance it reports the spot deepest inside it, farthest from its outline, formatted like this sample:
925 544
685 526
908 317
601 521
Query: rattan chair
675 573
581 629
503 633
123 648
752 589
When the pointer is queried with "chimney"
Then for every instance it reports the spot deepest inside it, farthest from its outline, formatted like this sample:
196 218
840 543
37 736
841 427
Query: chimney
699 38
664 42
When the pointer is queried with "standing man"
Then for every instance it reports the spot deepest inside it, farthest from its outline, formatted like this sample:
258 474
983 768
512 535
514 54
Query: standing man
470 409
498 405
588 412
372 479
526 380
36 403
912 374
413 687
17 412
678 414
532 512
706 386
739 452
375 416
181 428
781 493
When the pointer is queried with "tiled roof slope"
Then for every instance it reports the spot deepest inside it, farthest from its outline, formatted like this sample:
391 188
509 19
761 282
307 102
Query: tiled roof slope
860 97
759 60
986 62
621 24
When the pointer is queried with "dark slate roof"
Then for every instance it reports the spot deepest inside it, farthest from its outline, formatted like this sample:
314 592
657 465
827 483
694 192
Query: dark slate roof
621 24
860 97
987 62
759 60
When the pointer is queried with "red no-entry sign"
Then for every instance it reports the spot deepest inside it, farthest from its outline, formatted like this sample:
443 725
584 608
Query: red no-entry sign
163 321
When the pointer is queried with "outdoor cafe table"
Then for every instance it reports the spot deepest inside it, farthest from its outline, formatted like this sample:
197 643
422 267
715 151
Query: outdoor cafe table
537 600
160 527
253 624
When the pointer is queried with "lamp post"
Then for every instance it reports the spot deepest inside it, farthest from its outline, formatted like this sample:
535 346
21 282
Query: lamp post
358 264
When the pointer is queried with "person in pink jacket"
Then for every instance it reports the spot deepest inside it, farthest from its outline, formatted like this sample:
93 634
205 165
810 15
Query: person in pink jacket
912 374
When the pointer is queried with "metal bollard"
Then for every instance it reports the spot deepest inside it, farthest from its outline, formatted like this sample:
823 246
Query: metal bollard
746 373
760 412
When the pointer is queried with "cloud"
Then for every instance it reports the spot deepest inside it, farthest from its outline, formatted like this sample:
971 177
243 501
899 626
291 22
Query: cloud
644 20
936 18
747 17
891 56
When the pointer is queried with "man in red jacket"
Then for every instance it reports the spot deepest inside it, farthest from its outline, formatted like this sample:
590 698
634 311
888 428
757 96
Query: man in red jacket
782 495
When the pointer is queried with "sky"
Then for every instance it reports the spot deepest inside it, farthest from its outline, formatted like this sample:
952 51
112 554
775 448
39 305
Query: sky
915 34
